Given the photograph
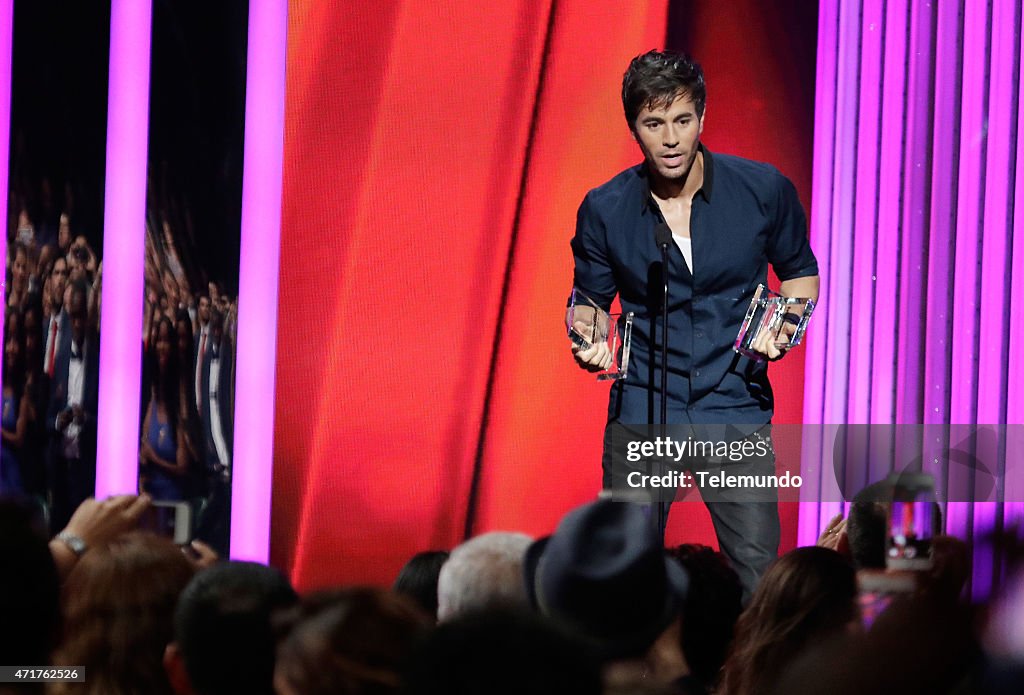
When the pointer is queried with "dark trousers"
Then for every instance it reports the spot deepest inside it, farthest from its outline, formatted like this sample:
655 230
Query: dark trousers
71 482
746 520
748 534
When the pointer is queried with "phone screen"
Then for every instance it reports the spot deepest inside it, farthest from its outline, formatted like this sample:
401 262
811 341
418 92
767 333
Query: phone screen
168 519
911 525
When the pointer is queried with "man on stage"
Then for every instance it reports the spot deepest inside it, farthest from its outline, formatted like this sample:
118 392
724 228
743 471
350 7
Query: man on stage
729 218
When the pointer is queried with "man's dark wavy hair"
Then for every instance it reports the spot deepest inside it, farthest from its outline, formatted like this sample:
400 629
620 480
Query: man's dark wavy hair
656 78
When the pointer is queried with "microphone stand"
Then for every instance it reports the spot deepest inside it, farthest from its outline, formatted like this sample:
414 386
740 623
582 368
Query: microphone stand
663 236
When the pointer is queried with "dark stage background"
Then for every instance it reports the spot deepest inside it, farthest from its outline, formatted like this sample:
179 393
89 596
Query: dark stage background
435 154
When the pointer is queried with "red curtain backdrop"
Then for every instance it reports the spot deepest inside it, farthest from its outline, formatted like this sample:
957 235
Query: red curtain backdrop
435 154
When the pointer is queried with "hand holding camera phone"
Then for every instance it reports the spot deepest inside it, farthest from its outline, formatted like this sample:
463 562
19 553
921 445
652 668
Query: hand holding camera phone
911 522
911 525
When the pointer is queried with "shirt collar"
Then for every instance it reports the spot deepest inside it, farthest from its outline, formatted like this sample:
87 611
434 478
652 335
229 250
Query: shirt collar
647 200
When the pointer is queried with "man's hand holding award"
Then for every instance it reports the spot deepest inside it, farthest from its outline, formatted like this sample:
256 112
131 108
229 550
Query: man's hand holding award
773 324
600 341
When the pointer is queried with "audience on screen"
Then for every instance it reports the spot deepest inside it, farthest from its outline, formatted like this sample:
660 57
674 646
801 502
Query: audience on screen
53 293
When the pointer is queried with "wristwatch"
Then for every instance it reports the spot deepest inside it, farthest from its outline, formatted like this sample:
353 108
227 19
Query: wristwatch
77 545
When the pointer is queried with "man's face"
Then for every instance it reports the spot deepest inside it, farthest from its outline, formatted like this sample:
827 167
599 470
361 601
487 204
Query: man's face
668 137
204 310
59 280
11 349
64 232
19 270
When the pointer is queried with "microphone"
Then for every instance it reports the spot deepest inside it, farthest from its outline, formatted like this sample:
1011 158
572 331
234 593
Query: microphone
663 237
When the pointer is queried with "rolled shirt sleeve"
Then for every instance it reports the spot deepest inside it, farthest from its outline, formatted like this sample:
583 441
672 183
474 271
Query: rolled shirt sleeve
788 249
593 273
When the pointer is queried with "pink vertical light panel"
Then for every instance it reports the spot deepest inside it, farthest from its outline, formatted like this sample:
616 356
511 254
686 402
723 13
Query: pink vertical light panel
1014 510
969 217
965 309
841 215
914 220
915 212
993 317
124 216
841 261
866 190
257 293
884 325
810 522
942 214
6 46
841 220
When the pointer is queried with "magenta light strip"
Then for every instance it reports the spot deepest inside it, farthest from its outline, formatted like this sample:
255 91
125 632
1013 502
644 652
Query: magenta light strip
969 215
821 199
809 523
889 229
1013 511
999 166
963 375
936 391
994 320
915 220
6 51
124 223
836 107
935 342
842 220
865 226
258 278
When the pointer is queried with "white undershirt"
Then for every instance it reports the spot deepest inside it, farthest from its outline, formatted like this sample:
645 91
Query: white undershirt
200 351
76 388
685 245
52 340
215 424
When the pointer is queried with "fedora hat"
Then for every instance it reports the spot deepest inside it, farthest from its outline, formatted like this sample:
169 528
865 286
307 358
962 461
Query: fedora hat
605 575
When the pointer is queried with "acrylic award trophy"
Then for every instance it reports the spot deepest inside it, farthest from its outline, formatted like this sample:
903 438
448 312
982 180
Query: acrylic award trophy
588 325
770 316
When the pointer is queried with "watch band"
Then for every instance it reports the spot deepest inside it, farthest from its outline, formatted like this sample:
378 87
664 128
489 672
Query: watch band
77 545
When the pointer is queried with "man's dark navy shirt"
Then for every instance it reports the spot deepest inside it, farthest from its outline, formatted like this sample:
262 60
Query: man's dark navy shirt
745 216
